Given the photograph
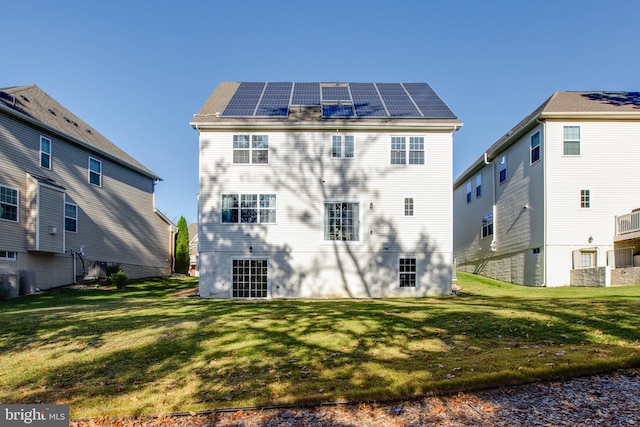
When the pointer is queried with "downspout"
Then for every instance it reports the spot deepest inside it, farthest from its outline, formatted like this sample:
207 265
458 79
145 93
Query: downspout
544 201
493 200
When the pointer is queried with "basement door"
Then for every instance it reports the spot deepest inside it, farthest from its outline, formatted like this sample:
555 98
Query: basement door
249 278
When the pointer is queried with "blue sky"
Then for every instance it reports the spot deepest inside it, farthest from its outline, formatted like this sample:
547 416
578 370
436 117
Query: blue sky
137 71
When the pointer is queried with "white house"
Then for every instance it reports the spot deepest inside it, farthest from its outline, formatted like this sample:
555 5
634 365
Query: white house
325 190
540 207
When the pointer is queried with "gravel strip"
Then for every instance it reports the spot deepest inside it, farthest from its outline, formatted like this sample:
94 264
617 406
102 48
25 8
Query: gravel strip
611 399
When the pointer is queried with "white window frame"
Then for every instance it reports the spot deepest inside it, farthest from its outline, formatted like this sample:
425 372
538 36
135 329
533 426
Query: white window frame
408 276
10 203
343 147
95 173
44 154
244 202
535 148
66 217
585 198
469 197
339 229
486 228
251 148
502 168
409 206
253 286
8 255
407 150
572 140
479 185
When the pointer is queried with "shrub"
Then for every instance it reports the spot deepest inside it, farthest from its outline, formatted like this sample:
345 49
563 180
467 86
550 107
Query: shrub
113 268
119 279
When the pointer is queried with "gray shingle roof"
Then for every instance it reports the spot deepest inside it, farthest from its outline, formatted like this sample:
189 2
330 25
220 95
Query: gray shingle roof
33 103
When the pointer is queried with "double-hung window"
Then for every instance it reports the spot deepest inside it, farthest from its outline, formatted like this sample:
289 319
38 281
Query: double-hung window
45 152
478 185
248 208
71 217
8 204
487 225
342 147
95 172
401 156
503 168
469 192
341 221
252 149
407 272
571 142
535 147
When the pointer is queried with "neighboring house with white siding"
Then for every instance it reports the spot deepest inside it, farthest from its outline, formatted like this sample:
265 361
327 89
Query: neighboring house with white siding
325 190
541 206
193 249
71 202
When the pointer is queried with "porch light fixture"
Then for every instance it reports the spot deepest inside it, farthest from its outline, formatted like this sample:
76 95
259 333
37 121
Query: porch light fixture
371 205
250 249
590 239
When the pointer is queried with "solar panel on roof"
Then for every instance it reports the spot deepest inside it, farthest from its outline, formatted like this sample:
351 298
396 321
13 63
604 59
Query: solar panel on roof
244 101
428 101
306 94
275 100
335 93
397 100
366 100
337 110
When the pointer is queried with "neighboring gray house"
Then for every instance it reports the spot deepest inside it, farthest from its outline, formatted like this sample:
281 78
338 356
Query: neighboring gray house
325 190
71 202
193 249
554 201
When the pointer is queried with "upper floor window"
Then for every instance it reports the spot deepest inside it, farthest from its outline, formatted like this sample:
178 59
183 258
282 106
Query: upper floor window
487 225
469 192
535 147
585 198
248 208
342 147
407 272
401 156
45 153
571 144
408 206
503 168
341 221
71 217
8 204
478 185
95 172
250 149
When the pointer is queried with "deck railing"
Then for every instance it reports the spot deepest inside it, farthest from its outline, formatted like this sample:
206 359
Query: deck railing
628 223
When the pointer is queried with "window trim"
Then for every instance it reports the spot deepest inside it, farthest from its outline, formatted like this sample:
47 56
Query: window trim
44 153
232 277
535 148
68 217
98 173
502 167
17 204
6 255
406 150
342 140
250 149
469 197
258 208
486 227
411 212
479 185
357 225
585 198
565 140
412 275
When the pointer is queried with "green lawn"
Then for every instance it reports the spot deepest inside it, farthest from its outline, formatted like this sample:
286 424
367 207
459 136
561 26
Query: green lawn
147 350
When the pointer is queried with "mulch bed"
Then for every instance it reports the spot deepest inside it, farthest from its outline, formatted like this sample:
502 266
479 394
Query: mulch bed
611 399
